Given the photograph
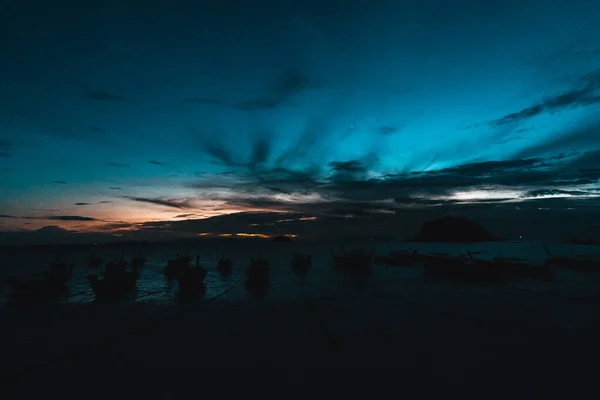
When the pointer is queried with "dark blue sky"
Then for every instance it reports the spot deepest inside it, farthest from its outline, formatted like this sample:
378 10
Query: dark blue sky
115 114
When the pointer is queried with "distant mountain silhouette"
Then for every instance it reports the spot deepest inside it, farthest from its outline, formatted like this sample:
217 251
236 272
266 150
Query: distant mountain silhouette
452 229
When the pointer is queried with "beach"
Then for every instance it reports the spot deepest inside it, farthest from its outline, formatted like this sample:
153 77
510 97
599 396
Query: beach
328 332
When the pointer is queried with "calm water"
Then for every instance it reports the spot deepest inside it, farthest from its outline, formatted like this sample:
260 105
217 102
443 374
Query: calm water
153 288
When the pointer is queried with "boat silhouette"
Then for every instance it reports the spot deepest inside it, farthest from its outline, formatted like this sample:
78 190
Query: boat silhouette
176 266
191 280
225 265
119 280
51 284
258 274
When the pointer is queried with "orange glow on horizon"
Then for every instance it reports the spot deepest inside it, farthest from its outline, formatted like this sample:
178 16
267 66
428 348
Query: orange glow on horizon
122 216
129 212
247 235
110 216
258 235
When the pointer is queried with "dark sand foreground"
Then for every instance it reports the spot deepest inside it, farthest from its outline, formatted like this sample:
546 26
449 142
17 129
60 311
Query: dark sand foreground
387 337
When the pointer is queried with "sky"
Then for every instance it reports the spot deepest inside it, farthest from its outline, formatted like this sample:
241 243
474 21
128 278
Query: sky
156 119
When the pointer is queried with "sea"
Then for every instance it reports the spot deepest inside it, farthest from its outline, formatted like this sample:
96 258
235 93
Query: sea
154 289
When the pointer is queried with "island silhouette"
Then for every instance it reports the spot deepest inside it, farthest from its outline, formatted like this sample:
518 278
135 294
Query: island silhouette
452 230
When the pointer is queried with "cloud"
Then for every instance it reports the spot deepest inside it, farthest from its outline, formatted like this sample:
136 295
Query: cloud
172 203
158 163
289 83
314 132
554 192
585 164
119 225
68 218
283 179
89 204
185 215
237 222
278 190
218 152
586 136
348 170
488 168
52 218
112 226
261 150
5 216
387 130
348 189
353 170
347 166
259 154
577 97
104 96
409 200
284 86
